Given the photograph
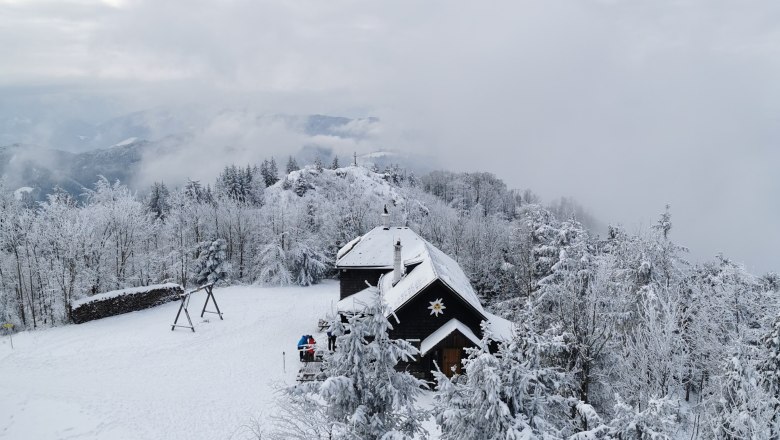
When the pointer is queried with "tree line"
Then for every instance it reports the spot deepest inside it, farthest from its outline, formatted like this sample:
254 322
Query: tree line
617 329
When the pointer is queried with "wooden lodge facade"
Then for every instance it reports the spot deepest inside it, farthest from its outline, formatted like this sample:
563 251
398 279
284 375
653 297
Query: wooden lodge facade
432 303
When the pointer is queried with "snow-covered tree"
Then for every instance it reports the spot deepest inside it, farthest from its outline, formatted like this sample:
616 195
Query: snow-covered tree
769 369
503 395
364 397
211 265
158 200
658 421
743 408
292 165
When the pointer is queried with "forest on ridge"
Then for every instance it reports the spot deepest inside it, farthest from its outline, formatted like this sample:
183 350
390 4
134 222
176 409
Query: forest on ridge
620 335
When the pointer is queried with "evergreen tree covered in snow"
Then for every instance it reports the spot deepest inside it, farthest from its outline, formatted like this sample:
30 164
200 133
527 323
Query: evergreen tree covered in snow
506 395
657 421
292 165
364 392
364 397
158 203
211 265
269 172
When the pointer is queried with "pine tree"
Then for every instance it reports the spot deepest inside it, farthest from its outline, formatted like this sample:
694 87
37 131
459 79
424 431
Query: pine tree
505 395
194 191
364 397
158 200
308 263
301 185
292 165
335 164
211 265
273 173
318 164
271 264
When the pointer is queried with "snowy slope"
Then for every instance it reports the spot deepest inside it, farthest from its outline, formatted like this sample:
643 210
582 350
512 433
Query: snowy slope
131 377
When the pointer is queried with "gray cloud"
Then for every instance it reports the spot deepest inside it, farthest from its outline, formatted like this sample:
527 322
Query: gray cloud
624 105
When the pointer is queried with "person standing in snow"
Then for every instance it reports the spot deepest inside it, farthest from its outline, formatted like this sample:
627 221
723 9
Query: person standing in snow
310 349
331 341
301 346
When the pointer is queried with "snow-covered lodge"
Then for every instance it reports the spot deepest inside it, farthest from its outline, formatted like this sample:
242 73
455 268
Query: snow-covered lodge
431 301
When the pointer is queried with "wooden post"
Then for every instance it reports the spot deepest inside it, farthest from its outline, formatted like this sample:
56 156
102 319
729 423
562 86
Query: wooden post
210 294
9 327
183 306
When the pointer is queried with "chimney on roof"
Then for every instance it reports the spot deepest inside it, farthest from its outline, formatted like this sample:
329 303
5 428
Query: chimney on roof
397 267
385 218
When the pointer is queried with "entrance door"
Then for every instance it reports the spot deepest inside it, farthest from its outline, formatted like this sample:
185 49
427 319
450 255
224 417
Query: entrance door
451 358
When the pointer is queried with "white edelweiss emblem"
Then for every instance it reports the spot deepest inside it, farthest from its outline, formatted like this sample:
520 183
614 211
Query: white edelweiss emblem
437 307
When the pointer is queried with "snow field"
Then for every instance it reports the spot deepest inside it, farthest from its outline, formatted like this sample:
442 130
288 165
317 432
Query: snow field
131 377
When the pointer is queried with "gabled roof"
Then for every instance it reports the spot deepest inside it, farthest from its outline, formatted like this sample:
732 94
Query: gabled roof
444 331
375 249
433 265
428 264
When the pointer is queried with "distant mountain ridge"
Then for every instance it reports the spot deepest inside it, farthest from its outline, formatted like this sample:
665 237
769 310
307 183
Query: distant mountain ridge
131 146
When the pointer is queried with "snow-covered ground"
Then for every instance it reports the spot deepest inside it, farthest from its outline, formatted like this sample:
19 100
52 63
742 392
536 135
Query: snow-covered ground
131 377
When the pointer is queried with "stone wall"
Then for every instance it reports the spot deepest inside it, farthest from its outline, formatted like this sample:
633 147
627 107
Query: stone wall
123 301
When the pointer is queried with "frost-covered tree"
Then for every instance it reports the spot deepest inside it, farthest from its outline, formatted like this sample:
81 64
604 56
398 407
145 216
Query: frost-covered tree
292 165
211 265
335 164
158 203
505 395
272 266
742 409
769 369
364 396
658 421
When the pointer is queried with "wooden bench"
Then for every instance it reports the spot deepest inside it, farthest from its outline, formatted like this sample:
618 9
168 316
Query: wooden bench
311 371
323 324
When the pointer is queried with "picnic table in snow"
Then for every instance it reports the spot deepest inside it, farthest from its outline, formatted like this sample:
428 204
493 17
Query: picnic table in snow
311 367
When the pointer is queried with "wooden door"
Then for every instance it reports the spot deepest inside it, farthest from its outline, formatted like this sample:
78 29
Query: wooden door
451 357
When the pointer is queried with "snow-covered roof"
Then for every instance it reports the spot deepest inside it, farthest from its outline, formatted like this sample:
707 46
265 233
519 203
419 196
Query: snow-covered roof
375 249
122 292
502 329
444 331
358 302
434 265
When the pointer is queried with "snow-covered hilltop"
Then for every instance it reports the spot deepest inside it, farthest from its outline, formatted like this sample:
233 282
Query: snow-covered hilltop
597 316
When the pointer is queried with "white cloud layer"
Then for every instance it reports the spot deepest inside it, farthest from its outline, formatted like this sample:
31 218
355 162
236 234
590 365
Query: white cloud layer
625 105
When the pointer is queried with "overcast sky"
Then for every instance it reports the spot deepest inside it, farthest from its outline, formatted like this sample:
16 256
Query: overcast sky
624 105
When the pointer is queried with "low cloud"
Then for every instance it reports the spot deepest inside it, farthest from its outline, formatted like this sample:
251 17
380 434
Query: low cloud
624 105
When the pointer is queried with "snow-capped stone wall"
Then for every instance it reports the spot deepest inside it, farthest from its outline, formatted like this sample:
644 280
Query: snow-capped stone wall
123 301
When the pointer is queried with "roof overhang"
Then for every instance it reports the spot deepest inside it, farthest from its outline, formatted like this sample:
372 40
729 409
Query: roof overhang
445 330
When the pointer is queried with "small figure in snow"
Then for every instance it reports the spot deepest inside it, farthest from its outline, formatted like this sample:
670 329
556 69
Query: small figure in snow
310 349
302 345
331 341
